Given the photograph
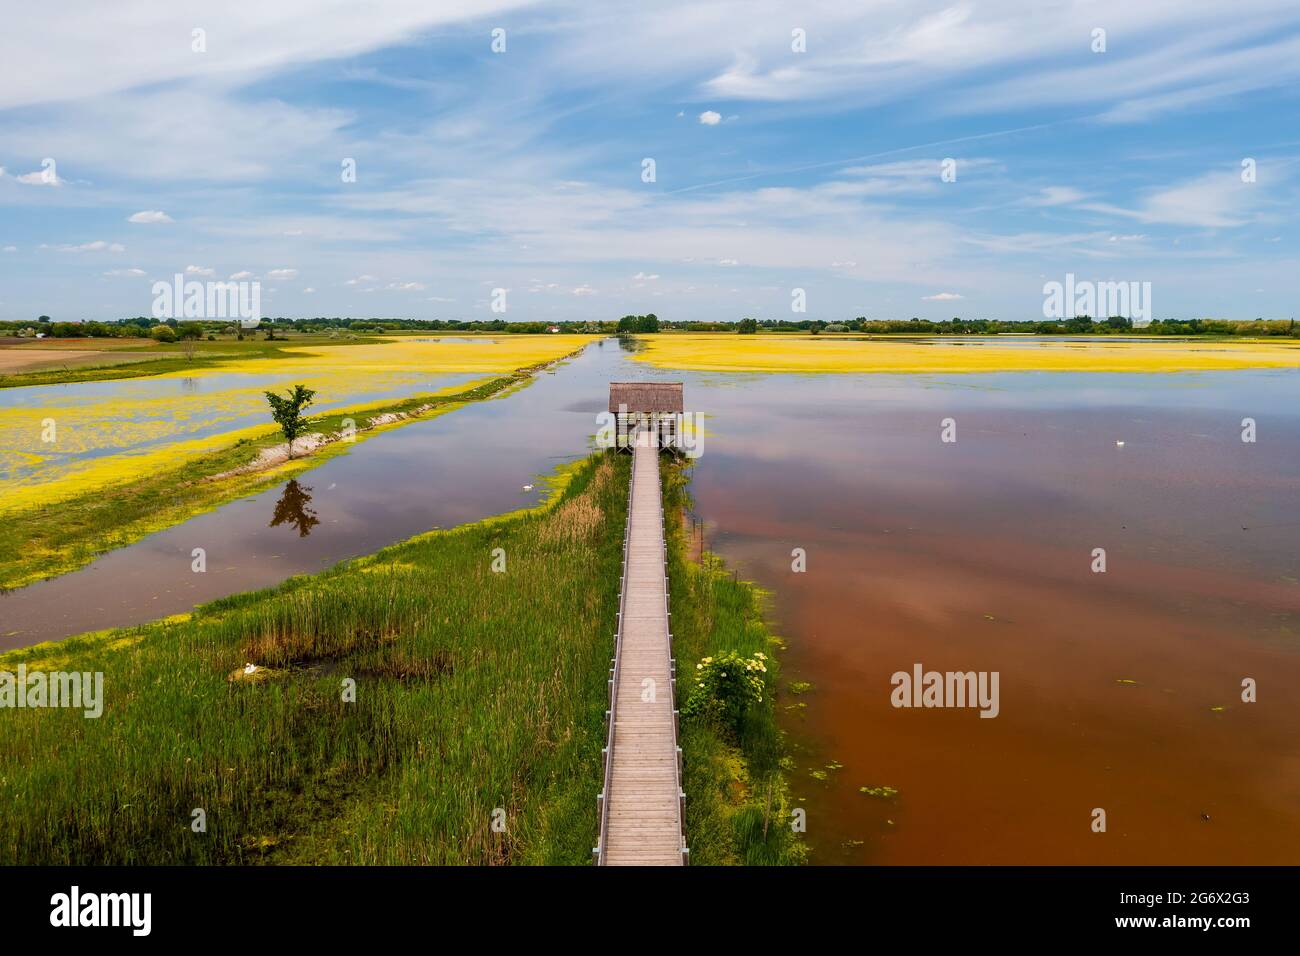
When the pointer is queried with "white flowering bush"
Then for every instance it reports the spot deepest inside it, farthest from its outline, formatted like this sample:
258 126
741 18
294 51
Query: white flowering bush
726 686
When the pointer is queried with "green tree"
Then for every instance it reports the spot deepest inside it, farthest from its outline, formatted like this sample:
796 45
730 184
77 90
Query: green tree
287 412
747 326
43 318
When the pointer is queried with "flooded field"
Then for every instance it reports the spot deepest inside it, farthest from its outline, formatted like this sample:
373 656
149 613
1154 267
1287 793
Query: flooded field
63 440
1119 690
438 473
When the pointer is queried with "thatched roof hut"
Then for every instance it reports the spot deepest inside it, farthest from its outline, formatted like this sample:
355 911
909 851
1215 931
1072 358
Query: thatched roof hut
646 398
652 409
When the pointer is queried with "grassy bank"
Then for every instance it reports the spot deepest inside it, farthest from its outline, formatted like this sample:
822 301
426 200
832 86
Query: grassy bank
60 536
738 809
475 691
832 353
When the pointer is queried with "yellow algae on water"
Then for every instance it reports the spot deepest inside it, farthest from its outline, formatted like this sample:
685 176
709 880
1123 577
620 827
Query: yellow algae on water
140 426
829 353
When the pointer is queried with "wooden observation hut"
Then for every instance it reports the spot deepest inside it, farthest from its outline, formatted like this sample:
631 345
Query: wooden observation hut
650 409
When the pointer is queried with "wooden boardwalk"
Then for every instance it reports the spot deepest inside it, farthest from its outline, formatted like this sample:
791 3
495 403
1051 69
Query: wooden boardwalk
641 807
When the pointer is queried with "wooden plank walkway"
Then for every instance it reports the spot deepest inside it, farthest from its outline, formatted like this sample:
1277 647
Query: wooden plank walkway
641 808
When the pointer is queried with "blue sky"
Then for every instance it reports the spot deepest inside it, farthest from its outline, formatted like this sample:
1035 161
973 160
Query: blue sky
776 169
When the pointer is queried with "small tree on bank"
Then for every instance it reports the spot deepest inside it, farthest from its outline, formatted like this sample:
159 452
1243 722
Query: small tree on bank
287 412
189 335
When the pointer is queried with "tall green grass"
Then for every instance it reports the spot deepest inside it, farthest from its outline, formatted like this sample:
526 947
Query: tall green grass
738 809
475 690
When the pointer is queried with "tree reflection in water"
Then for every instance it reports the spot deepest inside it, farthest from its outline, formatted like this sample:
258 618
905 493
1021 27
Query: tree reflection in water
292 509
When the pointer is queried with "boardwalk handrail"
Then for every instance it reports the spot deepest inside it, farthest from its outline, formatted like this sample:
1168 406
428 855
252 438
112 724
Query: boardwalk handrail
603 797
672 695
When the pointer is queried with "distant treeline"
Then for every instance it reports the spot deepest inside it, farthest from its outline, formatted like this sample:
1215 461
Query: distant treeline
631 324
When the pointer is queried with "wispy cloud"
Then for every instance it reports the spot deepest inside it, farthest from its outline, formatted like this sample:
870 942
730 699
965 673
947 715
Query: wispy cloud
98 245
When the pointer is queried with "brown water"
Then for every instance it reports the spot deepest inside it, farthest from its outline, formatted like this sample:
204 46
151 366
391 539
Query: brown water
1118 690
977 556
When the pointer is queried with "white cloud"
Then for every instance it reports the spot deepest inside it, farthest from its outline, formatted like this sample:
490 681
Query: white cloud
710 118
199 271
359 279
584 290
40 177
242 275
646 277
149 216
99 245
282 274
254 38
226 137
728 262
126 273
941 297
407 286
1216 199
11 249
309 289
1055 196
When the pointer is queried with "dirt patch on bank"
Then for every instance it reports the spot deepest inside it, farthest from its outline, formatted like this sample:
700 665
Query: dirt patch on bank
306 445
24 359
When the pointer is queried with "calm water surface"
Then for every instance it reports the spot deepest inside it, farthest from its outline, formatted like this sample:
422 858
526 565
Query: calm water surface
1119 691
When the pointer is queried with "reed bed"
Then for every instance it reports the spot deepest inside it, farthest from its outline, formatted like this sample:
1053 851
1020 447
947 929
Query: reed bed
479 701
738 808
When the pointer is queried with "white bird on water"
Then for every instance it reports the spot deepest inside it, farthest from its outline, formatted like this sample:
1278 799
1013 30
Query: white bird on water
528 487
1119 444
